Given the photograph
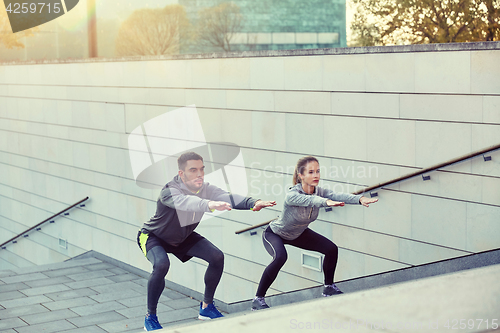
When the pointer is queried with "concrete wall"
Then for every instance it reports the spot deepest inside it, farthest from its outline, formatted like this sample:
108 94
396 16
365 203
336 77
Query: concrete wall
369 115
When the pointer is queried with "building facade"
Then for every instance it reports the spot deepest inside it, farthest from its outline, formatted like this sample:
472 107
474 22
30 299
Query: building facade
279 25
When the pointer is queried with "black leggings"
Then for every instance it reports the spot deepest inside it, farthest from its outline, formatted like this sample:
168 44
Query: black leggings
308 240
204 250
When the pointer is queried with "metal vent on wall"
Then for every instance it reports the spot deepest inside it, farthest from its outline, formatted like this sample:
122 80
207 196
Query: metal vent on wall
63 243
312 261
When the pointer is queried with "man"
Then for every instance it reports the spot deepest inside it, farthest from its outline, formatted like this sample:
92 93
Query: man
180 207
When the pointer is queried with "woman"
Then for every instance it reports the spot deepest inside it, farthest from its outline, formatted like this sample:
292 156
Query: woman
301 207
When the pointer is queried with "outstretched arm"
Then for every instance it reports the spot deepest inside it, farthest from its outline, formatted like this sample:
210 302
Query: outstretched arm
294 198
235 201
176 199
341 197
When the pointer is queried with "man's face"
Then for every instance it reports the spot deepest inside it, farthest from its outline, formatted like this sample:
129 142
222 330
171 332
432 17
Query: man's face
193 174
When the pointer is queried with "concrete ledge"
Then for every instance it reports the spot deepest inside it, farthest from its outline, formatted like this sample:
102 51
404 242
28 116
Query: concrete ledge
435 304
471 261
475 46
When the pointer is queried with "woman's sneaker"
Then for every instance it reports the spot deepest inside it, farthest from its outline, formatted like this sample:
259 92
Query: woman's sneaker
210 312
330 290
151 323
259 303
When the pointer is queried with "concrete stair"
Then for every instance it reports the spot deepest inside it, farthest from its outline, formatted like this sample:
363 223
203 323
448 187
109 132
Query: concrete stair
466 301
95 293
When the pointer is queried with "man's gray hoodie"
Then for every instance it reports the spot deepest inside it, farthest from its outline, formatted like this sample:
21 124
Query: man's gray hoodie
300 209
179 211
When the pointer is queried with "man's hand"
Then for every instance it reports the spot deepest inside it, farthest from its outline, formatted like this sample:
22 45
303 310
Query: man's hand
331 203
262 204
219 205
366 201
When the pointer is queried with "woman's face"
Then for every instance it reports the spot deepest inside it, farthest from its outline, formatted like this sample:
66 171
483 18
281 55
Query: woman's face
310 175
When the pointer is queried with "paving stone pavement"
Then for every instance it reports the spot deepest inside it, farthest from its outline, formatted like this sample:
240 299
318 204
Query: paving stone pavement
89 295
83 295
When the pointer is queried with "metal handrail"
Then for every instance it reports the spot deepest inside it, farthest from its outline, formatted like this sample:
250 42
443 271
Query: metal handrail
396 180
39 224
432 168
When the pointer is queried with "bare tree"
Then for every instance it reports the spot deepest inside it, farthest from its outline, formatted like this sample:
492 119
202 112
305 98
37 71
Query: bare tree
218 25
152 31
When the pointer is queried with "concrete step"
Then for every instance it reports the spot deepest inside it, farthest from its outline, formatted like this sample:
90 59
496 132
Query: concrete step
468 301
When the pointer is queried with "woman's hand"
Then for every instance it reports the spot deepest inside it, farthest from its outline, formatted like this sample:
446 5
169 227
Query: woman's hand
332 203
366 201
262 204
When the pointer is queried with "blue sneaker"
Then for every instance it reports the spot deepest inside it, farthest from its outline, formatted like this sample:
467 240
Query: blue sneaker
151 323
210 312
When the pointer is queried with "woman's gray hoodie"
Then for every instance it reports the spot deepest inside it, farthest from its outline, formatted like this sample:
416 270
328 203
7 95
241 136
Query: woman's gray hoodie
300 209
